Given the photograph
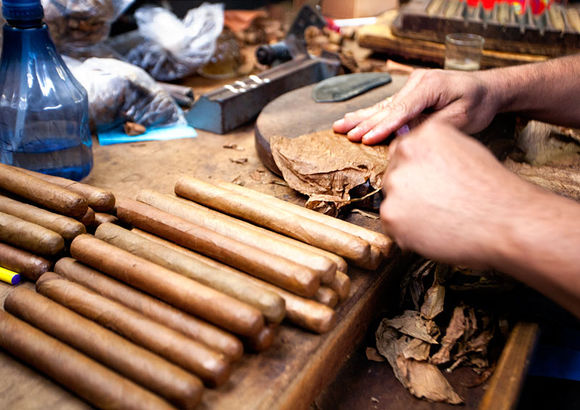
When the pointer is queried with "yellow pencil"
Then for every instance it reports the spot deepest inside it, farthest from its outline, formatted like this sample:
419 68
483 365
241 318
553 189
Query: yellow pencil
8 276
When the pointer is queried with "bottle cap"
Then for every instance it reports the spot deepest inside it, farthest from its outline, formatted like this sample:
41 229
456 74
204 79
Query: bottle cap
22 10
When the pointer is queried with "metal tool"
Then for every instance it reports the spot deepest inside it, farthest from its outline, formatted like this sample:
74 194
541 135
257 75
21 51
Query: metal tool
232 105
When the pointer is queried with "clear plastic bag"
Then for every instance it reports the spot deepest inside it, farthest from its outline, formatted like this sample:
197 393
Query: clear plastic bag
120 92
78 24
174 48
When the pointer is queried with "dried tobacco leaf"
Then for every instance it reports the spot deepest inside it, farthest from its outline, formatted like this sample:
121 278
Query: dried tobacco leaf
433 302
422 379
326 166
454 331
373 355
416 349
411 323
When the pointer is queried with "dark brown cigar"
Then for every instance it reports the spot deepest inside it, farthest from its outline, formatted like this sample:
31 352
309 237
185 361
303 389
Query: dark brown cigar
87 378
27 264
270 304
101 218
173 288
98 199
29 236
303 312
161 312
211 366
66 227
253 260
44 193
106 347
263 340
276 219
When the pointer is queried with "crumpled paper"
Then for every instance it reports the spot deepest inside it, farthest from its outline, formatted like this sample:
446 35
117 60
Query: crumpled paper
326 166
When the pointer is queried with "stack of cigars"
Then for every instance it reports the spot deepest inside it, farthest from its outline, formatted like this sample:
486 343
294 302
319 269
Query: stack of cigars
147 311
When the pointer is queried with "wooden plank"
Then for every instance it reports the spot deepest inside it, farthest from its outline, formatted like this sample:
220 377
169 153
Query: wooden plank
506 383
379 37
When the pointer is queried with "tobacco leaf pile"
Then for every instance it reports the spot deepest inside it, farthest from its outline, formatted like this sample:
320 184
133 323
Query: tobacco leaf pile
443 326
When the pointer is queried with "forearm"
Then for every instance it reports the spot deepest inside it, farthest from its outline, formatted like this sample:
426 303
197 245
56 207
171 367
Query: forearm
540 246
547 91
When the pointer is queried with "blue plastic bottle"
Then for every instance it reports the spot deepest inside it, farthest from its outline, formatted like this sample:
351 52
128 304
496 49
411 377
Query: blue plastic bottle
44 112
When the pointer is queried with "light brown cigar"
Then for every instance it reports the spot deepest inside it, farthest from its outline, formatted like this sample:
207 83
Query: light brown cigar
29 236
263 340
380 240
238 230
374 260
88 218
44 193
173 288
66 227
161 312
98 199
277 219
303 312
341 285
211 366
102 218
280 271
326 296
95 383
23 262
270 304
106 347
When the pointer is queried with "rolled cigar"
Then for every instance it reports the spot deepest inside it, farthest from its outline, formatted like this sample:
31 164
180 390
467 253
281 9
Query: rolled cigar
66 227
270 304
95 383
193 356
102 218
279 271
44 193
173 288
135 363
152 308
341 285
326 296
88 219
303 312
25 263
238 230
277 219
380 240
263 340
29 236
98 199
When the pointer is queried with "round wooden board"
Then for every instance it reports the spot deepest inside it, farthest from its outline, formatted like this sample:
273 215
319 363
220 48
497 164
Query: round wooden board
296 113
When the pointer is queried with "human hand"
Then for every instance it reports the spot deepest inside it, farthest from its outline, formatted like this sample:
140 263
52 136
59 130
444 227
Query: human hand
448 198
466 100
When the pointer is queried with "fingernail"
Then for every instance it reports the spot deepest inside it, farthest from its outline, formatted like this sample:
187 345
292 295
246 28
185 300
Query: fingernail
338 123
353 132
367 137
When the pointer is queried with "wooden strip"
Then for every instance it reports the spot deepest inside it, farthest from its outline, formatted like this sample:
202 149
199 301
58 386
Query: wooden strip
173 288
44 193
303 312
279 271
507 380
98 199
87 378
284 222
106 347
29 236
195 357
152 308
377 239
270 304
238 230
66 227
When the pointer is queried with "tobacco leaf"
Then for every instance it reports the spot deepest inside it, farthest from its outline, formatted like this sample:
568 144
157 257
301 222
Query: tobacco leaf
373 355
433 302
326 166
422 379
454 331
412 324
416 349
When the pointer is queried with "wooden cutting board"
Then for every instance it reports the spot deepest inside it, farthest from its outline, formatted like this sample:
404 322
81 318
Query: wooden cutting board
296 113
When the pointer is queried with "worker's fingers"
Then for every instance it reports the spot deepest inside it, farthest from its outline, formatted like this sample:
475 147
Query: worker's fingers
352 119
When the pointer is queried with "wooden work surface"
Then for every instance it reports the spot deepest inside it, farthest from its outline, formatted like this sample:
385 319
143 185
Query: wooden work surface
296 369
